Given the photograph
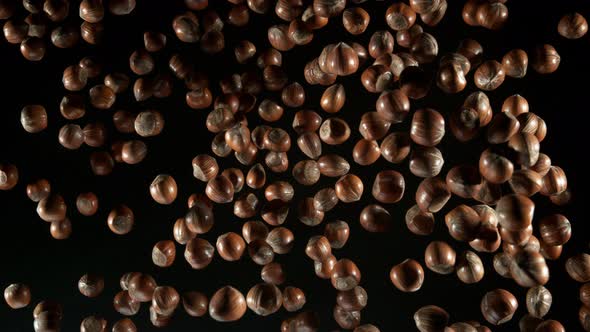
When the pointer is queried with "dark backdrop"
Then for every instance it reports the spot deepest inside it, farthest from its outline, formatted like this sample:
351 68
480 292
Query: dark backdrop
53 267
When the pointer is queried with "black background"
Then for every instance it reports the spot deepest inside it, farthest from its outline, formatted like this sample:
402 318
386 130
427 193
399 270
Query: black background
52 268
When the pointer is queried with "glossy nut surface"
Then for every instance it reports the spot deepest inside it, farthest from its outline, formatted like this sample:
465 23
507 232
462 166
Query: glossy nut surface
141 287
195 303
469 268
52 208
395 147
498 306
352 300
345 275
186 27
293 299
17 296
393 105
230 246
373 126
125 305
538 301
432 194
554 181
428 127
464 180
308 214
339 59
333 165
102 97
337 233
93 323
120 220
355 20
492 15
205 167
572 26
431 318
349 188
310 144
515 212
8 176
33 49
333 98
388 187
91 285
164 253
165 300
529 268
273 273
495 167
451 78
281 240
163 189
555 230
578 267
515 63
407 276
440 257
545 59
306 172
264 299
37 190
199 253
220 189
400 16
489 75
227 304
325 199
376 219
33 118
346 319
334 131
366 152
419 222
